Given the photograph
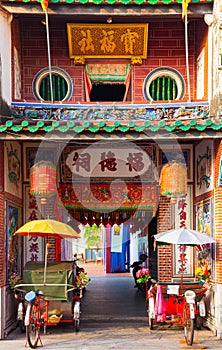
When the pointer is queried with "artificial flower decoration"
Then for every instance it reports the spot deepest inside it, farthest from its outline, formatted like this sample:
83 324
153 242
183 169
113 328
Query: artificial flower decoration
143 275
14 279
82 280
203 273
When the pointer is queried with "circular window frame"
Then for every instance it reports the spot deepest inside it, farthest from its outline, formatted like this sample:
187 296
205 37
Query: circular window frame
56 71
159 72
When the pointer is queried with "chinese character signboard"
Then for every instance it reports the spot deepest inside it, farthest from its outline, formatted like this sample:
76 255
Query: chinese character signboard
33 245
107 40
183 255
106 162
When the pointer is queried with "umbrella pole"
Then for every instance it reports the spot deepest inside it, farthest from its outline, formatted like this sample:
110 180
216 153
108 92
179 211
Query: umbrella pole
183 259
46 258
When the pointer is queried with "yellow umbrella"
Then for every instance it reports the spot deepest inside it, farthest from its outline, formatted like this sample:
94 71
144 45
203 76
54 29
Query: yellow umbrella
47 228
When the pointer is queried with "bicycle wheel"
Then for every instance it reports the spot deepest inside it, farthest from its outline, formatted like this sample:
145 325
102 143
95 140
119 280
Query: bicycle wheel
76 324
150 323
20 317
188 325
151 313
32 330
76 317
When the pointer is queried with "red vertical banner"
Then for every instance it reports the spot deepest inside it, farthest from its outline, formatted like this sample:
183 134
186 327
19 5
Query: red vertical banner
108 248
58 249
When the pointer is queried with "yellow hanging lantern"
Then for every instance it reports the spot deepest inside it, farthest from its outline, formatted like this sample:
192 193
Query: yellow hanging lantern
173 180
43 179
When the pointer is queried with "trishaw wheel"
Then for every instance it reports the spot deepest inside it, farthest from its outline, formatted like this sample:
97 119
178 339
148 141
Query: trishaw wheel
76 325
150 323
198 322
32 330
188 325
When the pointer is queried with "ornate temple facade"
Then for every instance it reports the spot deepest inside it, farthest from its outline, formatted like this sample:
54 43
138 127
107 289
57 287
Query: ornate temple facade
109 92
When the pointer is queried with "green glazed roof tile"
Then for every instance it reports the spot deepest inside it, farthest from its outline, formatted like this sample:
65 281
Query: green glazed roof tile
94 129
123 128
185 127
193 122
33 129
154 128
178 122
162 123
48 128
26 123
109 128
201 127
131 124
63 128
139 128
101 124
126 2
55 124
208 122
70 124
170 127
17 128
9 123
40 124
78 129
216 126
3 128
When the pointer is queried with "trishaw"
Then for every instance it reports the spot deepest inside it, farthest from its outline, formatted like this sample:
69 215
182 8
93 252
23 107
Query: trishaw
176 304
50 303
170 303
49 293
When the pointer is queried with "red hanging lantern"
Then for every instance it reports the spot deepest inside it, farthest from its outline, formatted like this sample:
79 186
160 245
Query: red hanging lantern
173 180
43 179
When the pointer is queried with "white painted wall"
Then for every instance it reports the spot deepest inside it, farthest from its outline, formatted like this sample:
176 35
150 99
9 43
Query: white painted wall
5 56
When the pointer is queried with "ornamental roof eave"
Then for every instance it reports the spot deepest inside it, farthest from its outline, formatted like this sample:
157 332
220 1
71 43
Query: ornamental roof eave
149 133
92 121
116 129
197 8
109 2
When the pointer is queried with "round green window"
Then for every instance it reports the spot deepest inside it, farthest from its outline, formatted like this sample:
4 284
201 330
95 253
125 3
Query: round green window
62 87
164 84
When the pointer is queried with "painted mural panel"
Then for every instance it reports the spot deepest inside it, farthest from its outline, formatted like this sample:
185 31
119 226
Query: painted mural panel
12 165
204 224
204 167
13 222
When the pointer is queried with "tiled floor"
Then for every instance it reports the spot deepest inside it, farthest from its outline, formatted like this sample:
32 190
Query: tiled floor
94 269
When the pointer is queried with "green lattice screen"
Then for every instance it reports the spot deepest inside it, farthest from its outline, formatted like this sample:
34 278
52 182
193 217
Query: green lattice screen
59 87
163 88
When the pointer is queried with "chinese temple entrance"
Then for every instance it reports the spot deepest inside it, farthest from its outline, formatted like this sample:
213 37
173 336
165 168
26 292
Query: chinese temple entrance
114 242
